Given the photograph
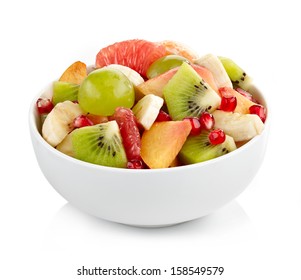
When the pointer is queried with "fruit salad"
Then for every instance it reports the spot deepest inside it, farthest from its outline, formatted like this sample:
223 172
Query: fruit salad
148 105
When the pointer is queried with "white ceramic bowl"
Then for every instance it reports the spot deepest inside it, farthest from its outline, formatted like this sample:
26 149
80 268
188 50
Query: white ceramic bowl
149 197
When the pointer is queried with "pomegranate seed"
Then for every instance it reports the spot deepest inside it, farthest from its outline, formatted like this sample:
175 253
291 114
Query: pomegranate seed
207 121
246 94
163 117
228 103
217 136
135 164
44 106
259 110
81 121
195 125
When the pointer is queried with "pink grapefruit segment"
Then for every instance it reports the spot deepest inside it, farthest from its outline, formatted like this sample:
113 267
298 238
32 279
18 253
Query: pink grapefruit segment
129 132
136 54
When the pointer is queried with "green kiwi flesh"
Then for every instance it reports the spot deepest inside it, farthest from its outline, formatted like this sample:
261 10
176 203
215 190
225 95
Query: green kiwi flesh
187 95
198 148
63 91
237 75
100 144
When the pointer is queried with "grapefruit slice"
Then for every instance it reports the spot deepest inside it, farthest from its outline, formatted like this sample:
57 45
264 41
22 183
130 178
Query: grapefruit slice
129 132
136 54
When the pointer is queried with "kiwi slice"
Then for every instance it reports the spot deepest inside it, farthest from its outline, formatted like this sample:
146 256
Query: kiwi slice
63 91
237 75
198 148
100 144
187 95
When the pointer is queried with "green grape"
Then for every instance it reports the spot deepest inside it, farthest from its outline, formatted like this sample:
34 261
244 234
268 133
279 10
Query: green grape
164 64
105 89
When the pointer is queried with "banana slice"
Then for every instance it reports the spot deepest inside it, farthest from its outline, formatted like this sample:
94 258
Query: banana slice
241 127
214 65
58 122
66 146
131 74
147 110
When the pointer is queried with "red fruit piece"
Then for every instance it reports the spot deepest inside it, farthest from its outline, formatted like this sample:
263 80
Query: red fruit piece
196 127
81 121
44 106
260 111
207 121
129 132
217 136
228 103
135 164
163 117
136 54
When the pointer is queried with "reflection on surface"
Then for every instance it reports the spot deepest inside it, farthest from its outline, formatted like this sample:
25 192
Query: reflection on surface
71 226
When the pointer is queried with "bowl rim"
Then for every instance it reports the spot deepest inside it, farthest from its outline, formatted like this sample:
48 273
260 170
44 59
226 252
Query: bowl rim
35 133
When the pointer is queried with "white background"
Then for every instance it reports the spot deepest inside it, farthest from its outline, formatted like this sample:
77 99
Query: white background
257 236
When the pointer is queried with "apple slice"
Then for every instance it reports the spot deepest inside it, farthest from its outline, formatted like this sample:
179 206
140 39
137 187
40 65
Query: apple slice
155 85
162 142
75 73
